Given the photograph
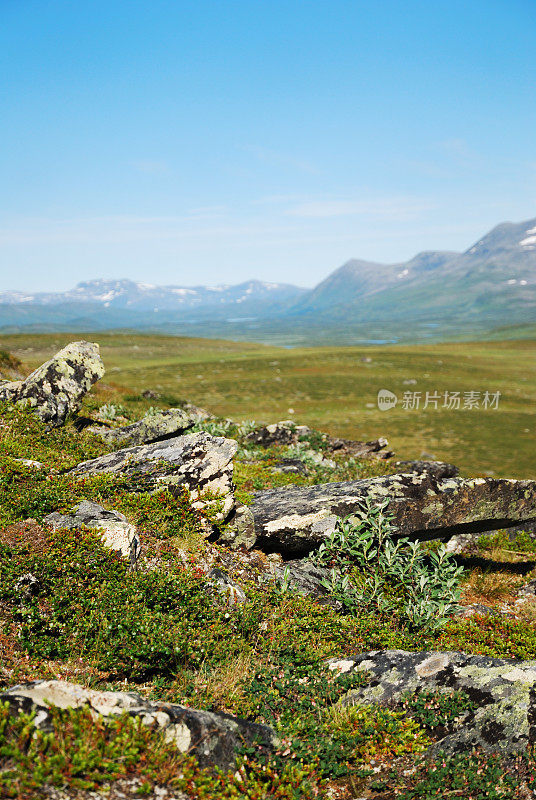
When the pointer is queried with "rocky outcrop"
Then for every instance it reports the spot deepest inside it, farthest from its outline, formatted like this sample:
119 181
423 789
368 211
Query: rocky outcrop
503 692
154 427
56 388
198 461
297 519
373 449
117 532
287 432
240 529
212 738
284 432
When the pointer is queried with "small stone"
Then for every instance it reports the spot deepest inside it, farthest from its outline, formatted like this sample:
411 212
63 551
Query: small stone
117 532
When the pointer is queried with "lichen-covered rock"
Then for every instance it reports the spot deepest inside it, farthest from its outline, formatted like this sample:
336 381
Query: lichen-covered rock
287 432
502 690
240 529
212 738
297 519
376 448
152 428
221 585
198 461
290 466
56 388
284 432
461 542
117 532
306 578
437 469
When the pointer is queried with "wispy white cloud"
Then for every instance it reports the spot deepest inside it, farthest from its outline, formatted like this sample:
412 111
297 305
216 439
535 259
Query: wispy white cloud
198 224
457 149
208 212
149 167
398 208
277 159
287 218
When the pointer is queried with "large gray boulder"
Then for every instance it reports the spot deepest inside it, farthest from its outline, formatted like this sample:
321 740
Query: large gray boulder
198 461
117 532
56 388
297 519
503 692
212 738
151 428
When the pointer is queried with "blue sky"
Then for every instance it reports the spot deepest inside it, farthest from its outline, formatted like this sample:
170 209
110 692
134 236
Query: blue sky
212 142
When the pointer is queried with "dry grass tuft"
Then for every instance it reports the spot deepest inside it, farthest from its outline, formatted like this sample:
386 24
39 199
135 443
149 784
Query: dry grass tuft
224 684
489 587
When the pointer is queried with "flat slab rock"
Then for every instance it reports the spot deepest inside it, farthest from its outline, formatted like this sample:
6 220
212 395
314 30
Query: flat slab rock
201 462
213 738
297 519
117 532
503 691
151 428
56 388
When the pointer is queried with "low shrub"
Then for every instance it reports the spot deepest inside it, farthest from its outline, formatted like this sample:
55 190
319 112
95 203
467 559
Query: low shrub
86 752
300 701
471 776
434 709
371 570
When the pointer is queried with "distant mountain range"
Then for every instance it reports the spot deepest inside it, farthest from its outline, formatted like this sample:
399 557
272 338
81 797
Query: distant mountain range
249 297
435 295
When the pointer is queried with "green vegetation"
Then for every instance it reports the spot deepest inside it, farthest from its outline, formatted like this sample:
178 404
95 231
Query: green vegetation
434 709
472 776
160 631
516 543
85 752
331 389
371 571
9 364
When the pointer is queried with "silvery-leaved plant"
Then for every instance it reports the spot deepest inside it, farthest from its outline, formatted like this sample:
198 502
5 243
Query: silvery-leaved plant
371 570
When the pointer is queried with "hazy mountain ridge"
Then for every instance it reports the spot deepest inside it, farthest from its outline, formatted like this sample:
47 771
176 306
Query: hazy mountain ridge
492 283
496 275
134 295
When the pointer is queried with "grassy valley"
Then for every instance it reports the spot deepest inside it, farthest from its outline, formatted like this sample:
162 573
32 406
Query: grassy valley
335 389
